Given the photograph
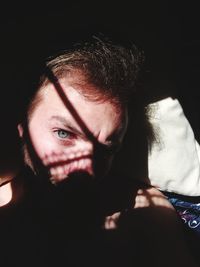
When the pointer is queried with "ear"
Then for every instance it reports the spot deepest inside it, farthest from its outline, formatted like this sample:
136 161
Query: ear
20 130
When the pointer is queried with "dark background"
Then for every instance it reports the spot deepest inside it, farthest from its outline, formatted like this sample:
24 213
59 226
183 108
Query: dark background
167 31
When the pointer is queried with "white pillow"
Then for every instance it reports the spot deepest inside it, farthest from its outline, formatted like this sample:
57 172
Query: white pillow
174 162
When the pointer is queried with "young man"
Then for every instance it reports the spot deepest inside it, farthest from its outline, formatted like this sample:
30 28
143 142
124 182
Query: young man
74 124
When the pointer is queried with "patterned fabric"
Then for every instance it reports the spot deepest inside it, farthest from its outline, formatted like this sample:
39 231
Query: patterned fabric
188 209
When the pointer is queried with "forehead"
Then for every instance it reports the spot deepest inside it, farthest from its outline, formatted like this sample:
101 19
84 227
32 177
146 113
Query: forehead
98 116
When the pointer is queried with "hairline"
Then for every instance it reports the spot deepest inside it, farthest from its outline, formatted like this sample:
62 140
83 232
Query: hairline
101 98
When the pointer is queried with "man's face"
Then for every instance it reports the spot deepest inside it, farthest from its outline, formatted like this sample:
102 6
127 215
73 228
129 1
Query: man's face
60 142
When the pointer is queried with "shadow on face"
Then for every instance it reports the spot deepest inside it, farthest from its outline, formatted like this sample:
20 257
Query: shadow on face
68 133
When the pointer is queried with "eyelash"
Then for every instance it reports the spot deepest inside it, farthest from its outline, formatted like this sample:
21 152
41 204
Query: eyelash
68 140
63 131
110 150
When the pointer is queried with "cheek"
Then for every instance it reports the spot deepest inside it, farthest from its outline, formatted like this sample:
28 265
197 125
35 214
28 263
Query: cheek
42 141
68 160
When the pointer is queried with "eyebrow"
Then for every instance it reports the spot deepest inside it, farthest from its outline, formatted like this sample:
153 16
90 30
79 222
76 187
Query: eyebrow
113 142
67 124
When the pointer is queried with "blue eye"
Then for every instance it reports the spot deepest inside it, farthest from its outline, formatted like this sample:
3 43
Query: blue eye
62 134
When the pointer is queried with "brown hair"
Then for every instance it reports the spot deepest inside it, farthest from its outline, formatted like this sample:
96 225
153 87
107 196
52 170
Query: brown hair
109 70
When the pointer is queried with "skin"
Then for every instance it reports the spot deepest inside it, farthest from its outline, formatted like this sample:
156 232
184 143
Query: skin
59 141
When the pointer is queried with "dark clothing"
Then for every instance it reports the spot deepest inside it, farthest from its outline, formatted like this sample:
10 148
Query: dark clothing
62 225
